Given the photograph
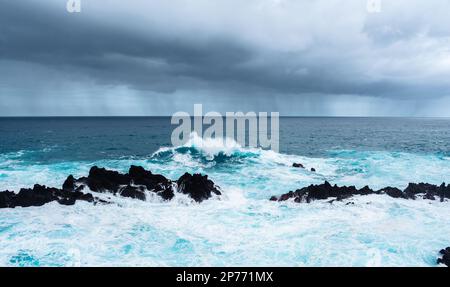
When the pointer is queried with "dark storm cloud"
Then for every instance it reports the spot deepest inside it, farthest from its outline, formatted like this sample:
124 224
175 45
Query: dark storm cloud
292 50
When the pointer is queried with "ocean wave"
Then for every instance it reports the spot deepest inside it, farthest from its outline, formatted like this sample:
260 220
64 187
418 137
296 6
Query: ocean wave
233 230
208 150
261 173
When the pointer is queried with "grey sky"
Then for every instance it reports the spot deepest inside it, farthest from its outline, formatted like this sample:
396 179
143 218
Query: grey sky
322 57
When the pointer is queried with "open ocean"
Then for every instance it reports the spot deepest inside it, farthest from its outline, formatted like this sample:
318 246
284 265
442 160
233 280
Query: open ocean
242 227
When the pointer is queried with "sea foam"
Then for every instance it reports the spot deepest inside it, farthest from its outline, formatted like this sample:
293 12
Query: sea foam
240 228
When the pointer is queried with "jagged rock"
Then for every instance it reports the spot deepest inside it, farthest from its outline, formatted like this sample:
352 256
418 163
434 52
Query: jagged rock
40 195
6 198
323 191
298 165
154 182
132 184
429 191
103 180
445 257
197 186
326 190
393 192
69 183
133 192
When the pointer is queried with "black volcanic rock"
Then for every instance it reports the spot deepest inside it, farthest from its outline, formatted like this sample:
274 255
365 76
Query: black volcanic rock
133 192
298 165
40 195
6 199
134 183
197 186
429 191
326 190
69 183
103 180
445 257
130 184
154 182
322 191
393 192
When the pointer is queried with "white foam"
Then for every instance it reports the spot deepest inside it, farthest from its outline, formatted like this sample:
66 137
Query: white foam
241 227
232 232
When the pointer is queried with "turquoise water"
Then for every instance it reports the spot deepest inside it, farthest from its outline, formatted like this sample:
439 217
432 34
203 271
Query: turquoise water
242 227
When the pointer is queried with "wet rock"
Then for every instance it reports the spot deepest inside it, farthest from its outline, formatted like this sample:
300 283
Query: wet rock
326 190
298 165
445 257
133 192
319 192
128 185
6 198
103 180
153 182
69 183
313 169
197 186
429 191
40 195
393 192
133 184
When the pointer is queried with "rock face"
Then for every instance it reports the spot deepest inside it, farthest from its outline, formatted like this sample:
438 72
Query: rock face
133 184
445 257
197 186
40 195
326 190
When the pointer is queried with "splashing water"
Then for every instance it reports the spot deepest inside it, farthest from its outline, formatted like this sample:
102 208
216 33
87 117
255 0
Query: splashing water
242 227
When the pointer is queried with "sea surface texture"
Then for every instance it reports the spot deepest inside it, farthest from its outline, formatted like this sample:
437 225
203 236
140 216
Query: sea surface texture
242 227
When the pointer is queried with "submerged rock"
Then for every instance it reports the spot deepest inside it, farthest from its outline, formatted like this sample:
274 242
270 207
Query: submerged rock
133 184
326 190
445 257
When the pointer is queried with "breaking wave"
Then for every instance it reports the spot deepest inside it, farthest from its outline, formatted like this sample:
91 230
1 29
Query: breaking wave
232 231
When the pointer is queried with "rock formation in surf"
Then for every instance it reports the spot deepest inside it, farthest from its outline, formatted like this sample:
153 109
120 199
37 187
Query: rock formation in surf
133 184
40 195
326 191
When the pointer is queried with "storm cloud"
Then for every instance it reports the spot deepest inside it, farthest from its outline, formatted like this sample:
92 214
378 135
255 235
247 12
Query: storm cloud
157 57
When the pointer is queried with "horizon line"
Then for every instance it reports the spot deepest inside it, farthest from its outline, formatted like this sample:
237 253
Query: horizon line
281 116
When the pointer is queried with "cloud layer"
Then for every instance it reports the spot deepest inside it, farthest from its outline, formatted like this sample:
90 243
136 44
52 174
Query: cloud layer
156 57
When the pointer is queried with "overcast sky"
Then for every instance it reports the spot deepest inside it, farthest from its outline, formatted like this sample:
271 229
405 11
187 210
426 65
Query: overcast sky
156 57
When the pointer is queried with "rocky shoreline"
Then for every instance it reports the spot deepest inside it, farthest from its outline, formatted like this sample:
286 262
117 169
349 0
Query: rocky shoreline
138 182
133 184
327 191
